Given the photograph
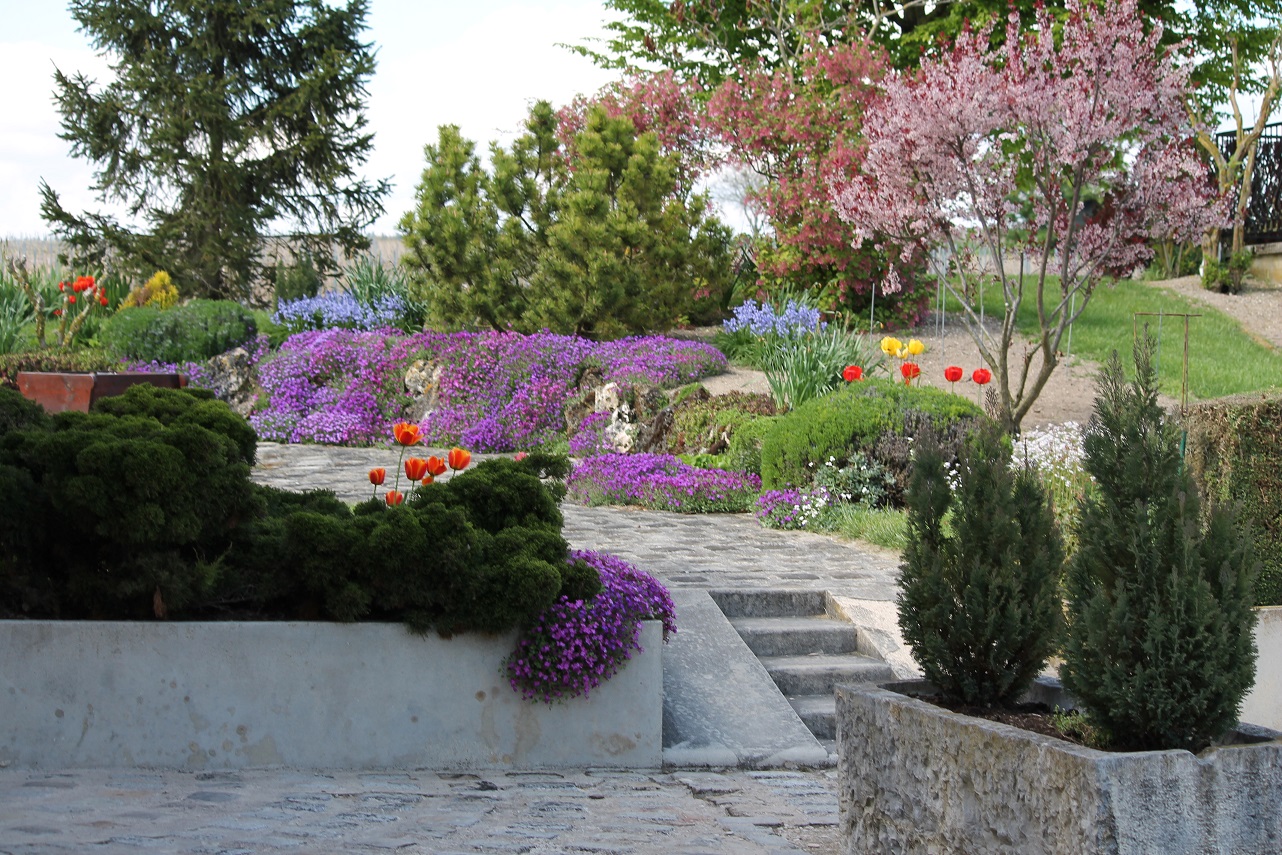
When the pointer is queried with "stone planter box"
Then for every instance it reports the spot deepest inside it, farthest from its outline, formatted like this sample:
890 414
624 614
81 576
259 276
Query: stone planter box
306 695
917 778
58 391
1263 706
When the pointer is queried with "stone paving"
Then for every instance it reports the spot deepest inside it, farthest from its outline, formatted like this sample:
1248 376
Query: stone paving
673 811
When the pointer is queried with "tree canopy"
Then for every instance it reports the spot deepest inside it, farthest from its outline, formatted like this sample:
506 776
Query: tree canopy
222 119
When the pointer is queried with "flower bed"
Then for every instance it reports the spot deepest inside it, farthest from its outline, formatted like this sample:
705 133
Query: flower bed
496 391
660 482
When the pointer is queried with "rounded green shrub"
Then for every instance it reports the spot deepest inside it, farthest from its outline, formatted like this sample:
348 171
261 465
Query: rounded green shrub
877 417
192 332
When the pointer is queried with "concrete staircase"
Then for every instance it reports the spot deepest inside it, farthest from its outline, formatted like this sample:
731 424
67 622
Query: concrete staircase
806 650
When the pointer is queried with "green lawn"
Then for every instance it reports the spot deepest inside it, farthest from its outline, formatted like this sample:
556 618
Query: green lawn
1223 358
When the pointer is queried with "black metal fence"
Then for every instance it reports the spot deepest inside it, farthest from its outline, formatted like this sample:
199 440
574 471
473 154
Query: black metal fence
1264 214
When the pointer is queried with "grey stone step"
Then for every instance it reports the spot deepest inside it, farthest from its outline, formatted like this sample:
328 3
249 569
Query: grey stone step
768 602
819 674
818 713
789 636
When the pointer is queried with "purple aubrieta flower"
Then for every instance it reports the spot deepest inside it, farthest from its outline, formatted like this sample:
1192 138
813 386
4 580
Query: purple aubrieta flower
660 482
575 645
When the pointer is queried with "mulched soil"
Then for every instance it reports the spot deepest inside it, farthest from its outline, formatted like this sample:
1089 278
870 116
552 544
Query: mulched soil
1036 718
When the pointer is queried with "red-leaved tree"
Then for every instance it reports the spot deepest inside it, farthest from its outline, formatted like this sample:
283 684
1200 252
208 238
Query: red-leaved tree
798 126
1070 152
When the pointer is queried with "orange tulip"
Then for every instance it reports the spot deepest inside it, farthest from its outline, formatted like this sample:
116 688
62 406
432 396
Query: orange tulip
458 459
393 498
377 476
407 433
415 468
435 466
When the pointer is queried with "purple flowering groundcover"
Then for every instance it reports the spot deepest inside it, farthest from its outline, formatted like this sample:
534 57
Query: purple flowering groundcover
497 391
660 482
576 645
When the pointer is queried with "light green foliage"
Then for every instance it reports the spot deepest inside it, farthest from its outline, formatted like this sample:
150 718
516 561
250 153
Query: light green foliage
192 332
877 417
980 605
808 366
218 119
1159 648
370 281
1226 277
603 247
860 480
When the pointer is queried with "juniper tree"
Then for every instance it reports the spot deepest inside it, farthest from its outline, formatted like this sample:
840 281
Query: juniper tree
1159 648
979 604
222 118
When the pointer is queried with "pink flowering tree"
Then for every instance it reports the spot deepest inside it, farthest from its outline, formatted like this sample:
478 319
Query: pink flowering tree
1069 154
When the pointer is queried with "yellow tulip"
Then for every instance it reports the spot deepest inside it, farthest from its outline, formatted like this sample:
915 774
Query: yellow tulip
915 347
890 346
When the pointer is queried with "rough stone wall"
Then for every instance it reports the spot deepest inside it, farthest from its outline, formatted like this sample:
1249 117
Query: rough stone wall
918 779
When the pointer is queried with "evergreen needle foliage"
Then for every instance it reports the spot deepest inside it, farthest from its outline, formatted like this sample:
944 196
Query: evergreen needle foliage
980 606
1159 649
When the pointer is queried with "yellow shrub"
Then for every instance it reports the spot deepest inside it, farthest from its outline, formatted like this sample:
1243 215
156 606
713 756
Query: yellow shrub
159 291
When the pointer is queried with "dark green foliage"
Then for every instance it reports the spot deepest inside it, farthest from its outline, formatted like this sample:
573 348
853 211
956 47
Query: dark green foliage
51 359
1235 454
144 508
119 514
192 332
979 603
595 239
183 407
1160 649
297 280
17 413
219 119
876 417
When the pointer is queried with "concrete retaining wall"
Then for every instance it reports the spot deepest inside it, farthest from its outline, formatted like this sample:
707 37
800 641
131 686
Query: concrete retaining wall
307 695
1264 705
917 778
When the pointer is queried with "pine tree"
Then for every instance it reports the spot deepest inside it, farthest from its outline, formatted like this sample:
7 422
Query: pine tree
222 118
979 606
1159 649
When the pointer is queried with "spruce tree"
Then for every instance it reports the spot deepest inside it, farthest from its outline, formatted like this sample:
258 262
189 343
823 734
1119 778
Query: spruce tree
1159 648
222 118
979 605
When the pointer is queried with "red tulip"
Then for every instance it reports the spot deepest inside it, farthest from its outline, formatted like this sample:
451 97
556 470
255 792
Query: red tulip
102 300
415 468
62 286
57 313
71 298
953 373
377 476
407 433
393 498
435 467
982 376
911 371
458 459
520 455
84 283
852 373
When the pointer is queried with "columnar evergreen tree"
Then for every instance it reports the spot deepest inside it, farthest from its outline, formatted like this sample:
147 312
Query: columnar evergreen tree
222 118
1159 649
979 606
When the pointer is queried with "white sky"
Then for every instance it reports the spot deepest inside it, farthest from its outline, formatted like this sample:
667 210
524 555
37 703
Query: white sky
478 64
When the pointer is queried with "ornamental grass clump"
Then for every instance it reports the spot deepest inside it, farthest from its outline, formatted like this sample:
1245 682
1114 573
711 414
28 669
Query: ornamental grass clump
1160 650
980 600
660 482
576 644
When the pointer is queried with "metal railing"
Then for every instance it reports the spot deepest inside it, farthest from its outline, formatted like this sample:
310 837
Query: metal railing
1264 212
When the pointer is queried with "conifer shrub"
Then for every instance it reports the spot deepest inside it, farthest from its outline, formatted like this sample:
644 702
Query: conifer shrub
876 417
192 332
980 598
1159 648
17 413
1235 454
744 451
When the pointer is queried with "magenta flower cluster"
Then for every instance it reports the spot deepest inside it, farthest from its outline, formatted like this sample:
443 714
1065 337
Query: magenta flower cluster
495 391
660 482
576 645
